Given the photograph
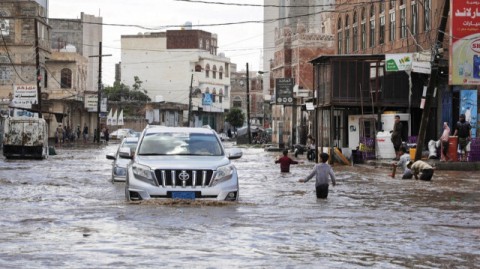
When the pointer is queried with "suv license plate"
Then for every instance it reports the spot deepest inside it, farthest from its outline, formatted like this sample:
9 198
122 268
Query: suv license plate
183 195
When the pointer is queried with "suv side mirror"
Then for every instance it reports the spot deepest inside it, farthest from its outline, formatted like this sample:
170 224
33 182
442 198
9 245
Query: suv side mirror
125 153
234 153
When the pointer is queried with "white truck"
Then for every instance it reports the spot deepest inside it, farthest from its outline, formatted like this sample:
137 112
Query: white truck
25 137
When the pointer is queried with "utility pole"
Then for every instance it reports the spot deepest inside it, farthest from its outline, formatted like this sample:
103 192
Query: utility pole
248 108
99 91
37 66
190 102
432 83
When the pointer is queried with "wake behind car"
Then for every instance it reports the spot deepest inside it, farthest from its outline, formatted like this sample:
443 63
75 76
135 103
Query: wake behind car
119 165
183 163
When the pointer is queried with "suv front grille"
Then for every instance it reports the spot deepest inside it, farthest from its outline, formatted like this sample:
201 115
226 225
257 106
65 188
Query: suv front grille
183 178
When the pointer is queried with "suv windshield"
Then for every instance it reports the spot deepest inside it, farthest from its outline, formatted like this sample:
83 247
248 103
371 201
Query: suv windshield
180 144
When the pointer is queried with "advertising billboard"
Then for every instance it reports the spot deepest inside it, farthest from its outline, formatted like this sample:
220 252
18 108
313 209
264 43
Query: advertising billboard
284 91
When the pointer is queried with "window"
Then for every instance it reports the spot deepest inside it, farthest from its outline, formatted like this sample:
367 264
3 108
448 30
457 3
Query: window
363 30
414 22
220 73
381 31
237 101
207 44
355 31
207 71
66 78
347 35
426 23
392 4
339 34
214 94
220 95
227 74
392 26
372 26
214 71
403 22
200 43
198 68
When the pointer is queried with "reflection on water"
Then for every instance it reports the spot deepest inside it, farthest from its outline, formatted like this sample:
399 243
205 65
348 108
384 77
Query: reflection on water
65 212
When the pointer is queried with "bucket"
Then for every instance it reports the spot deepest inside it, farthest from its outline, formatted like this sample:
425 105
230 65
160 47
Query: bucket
412 152
452 148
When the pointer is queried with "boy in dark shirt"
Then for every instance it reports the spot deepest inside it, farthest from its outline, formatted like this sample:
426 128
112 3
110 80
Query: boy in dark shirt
285 162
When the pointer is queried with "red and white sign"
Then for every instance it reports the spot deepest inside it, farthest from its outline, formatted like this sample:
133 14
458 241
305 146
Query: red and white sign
464 43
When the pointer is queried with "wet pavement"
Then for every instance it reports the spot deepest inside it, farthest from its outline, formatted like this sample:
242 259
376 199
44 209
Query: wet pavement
64 212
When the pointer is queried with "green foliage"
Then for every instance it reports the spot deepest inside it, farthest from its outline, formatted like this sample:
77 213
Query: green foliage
235 117
121 92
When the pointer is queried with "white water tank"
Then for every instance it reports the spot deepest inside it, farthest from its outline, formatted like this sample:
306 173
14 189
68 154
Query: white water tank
384 145
159 99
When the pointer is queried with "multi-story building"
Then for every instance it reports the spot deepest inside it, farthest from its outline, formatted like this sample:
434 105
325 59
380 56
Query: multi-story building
24 34
303 32
84 34
181 66
355 81
239 96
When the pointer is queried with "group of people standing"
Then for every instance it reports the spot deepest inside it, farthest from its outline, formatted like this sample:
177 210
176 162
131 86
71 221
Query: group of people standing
67 134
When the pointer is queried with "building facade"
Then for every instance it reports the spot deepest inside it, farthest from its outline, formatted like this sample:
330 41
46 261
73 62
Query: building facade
181 66
24 32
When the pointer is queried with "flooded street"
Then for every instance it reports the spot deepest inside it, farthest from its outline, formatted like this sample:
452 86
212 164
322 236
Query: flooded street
64 212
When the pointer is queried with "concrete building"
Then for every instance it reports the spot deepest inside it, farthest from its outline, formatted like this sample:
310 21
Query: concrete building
64 93
84 34
174 63
22 23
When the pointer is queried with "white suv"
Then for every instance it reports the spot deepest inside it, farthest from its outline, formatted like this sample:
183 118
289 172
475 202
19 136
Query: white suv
181 163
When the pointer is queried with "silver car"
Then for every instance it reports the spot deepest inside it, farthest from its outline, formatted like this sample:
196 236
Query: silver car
181 163
119 165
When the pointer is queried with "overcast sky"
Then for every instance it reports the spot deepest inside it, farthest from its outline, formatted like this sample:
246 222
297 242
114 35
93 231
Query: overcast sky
242 43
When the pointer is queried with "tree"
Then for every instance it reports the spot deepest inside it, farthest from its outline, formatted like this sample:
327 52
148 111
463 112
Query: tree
121 92
235 117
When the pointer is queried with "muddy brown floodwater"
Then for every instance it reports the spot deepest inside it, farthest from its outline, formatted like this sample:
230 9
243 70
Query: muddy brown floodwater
65 213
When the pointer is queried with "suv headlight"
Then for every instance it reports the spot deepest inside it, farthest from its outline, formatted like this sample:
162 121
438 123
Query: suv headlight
143 173
224 173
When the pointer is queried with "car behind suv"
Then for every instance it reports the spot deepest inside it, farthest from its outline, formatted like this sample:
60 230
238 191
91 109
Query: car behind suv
183 163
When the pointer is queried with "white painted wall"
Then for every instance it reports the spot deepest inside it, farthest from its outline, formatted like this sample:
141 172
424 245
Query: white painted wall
168 72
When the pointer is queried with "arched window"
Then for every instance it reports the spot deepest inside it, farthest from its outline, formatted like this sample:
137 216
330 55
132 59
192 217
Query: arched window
66 78
237 101
220 72
214 71
207 71
198 68
214 94
220 95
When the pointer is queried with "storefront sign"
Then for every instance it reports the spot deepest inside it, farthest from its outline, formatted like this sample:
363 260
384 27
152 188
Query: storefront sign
465 43
398 62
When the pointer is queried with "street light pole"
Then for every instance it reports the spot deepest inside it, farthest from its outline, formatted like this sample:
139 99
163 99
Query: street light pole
248 108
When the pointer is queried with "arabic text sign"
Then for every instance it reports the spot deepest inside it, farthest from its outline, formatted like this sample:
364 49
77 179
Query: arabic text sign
284 91
24 95
91 101
465 43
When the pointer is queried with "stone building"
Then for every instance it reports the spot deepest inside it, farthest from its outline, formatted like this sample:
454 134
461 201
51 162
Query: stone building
24 32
